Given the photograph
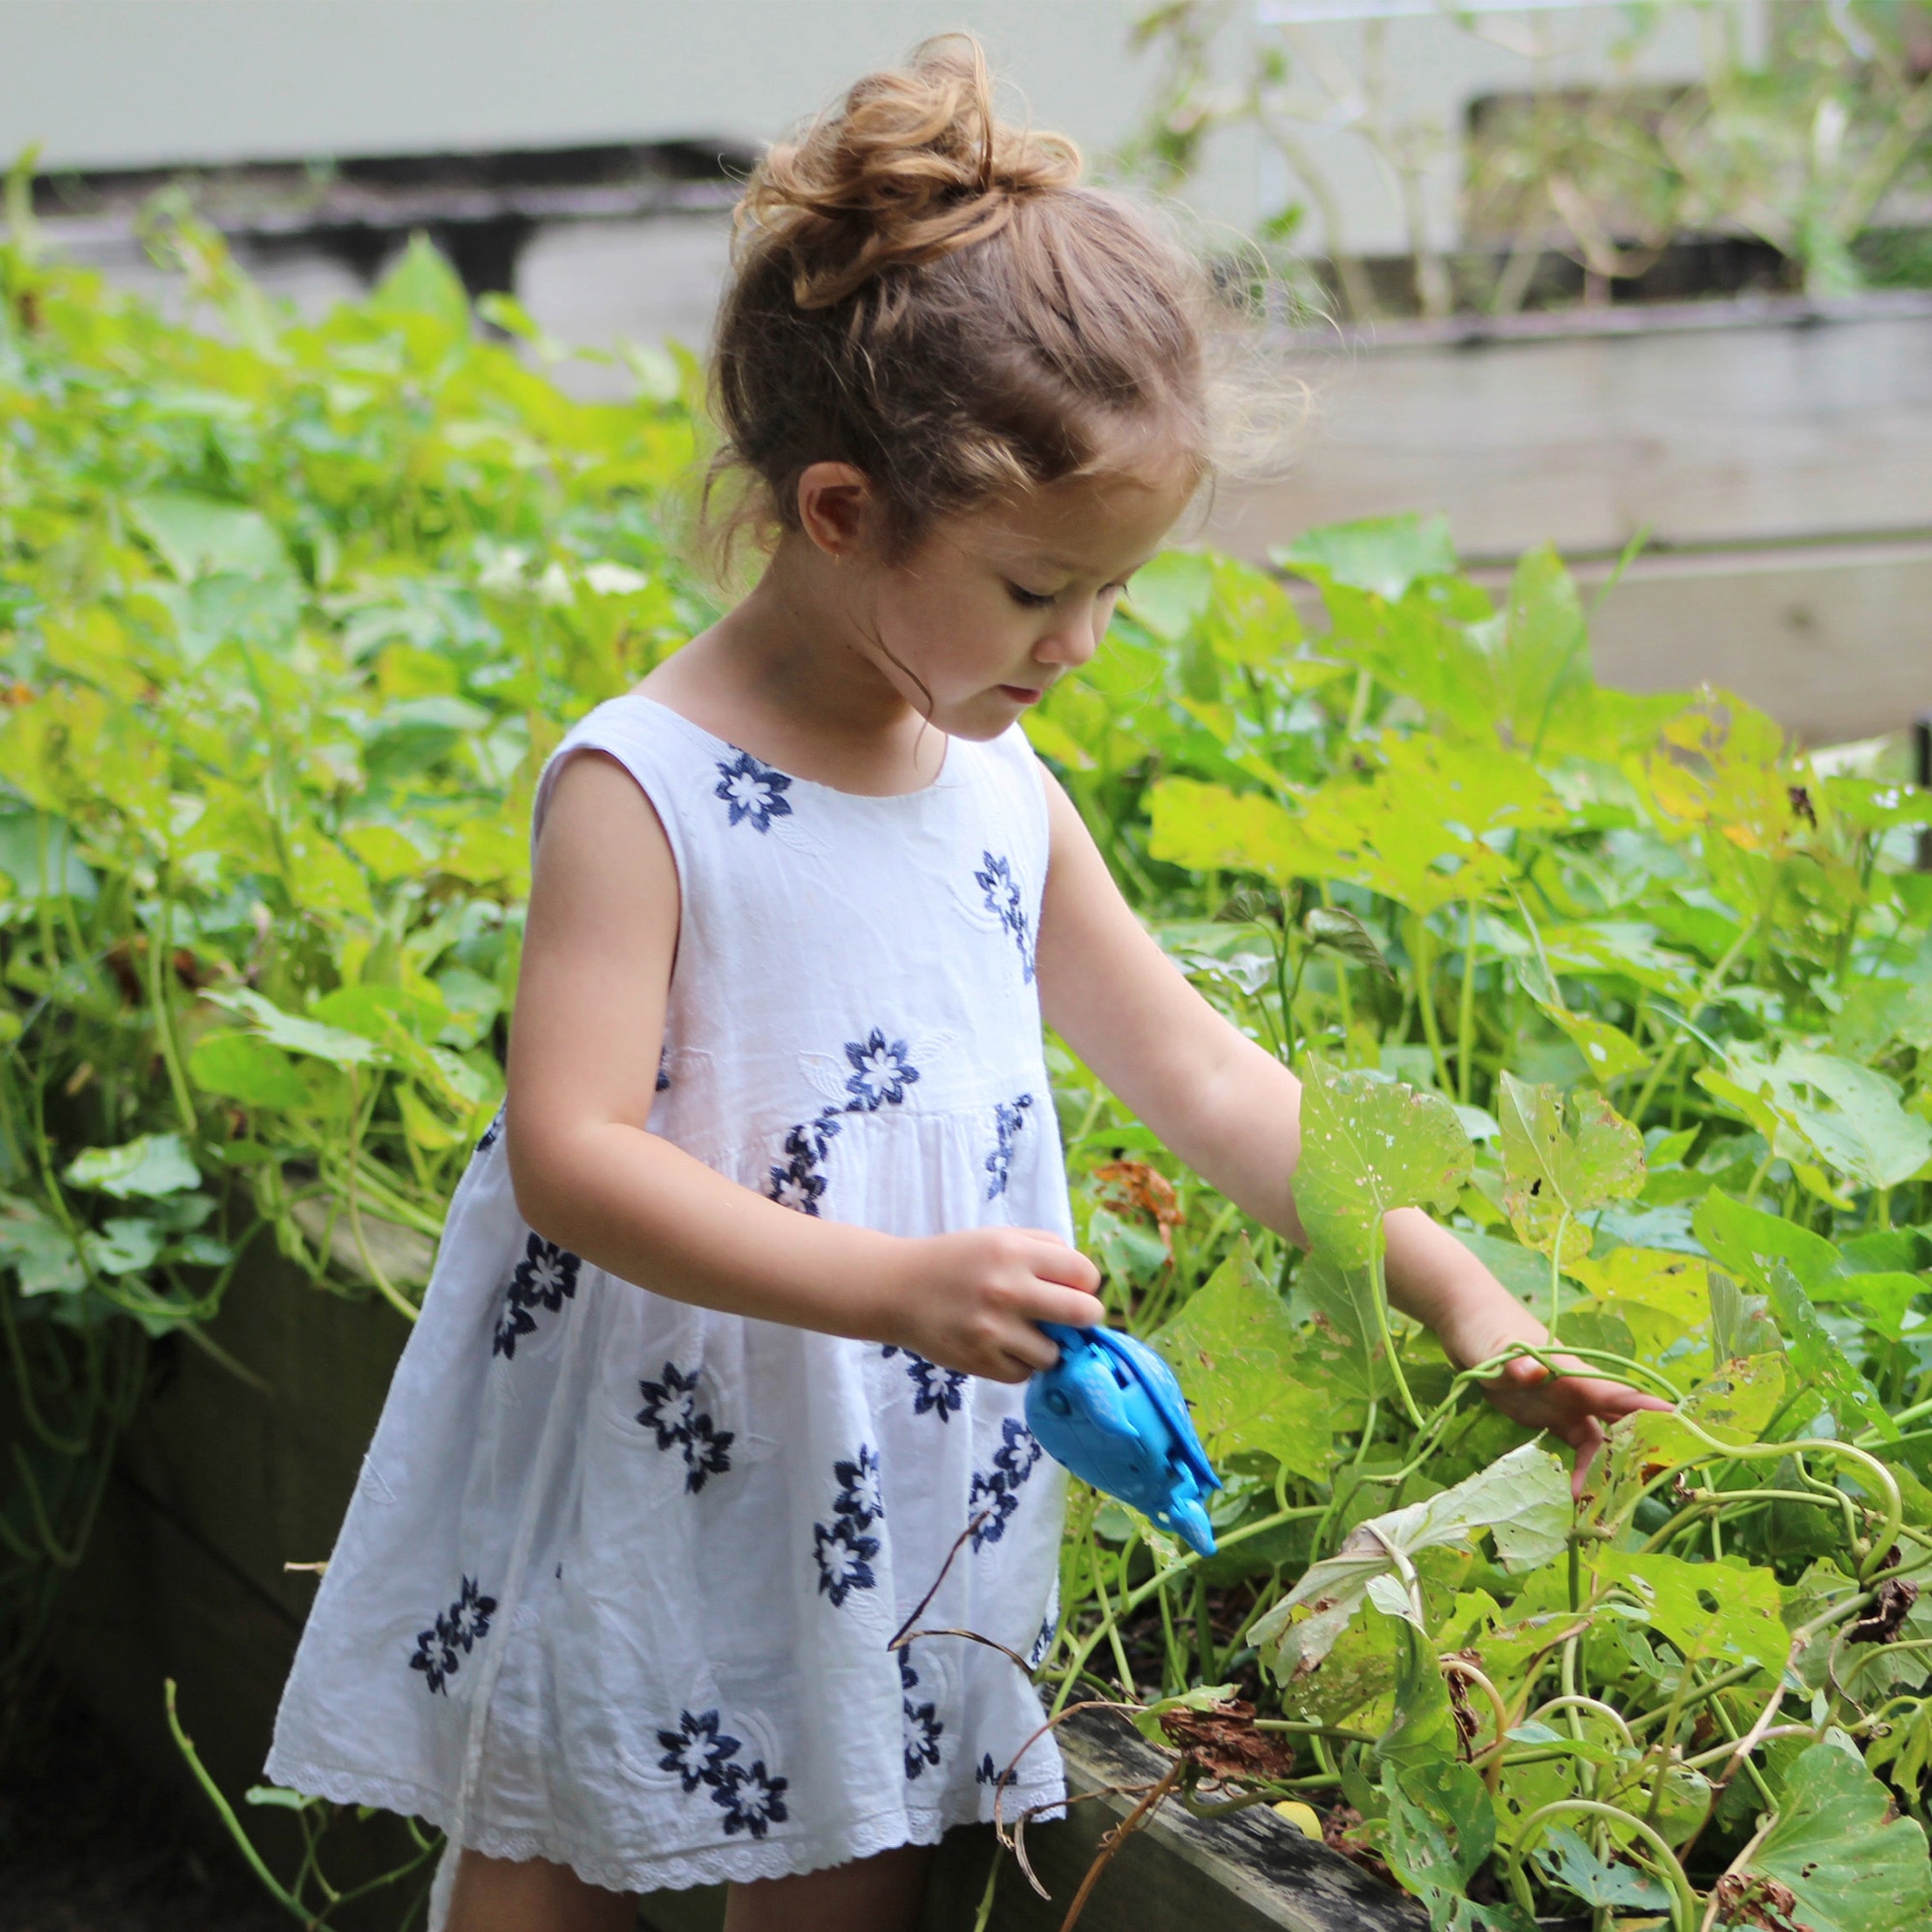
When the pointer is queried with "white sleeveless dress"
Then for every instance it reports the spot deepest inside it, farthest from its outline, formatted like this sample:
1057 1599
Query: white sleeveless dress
619 1577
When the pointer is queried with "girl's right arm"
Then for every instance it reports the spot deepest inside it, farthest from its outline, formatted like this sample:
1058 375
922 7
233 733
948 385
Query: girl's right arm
584 1043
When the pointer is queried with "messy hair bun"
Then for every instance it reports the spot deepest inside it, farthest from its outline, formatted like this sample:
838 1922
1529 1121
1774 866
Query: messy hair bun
912 166
930 295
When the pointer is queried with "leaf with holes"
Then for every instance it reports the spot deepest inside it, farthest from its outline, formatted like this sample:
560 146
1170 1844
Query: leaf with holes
1563 1162
1367 1146
1849 1863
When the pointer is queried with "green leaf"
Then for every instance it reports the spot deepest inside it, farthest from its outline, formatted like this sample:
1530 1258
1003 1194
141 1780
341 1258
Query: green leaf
292 1032
123 1245
1850 1115
1442 1825
1563 1162
1819 1360
37 854
150 1165
1421 1731
39 1250
1539 662
1607 1052
1526 1491
1728 1610
1859 1125
423 283
202 536
1242 1365
1567 1860
1367 1146
1746 1242
1849 1866
1339 930
1381 554
247 1067
1339 1306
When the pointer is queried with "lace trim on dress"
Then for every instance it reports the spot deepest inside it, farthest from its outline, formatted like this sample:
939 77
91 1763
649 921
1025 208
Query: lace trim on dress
721 1864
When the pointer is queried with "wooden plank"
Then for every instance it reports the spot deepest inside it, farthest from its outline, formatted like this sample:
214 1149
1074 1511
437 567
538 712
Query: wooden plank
1794 428
1251 1872
1835 642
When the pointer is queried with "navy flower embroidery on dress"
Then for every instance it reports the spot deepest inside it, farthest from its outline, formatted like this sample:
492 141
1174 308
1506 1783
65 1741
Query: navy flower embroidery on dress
858 1495
753 1802
998 1489
702 1753
985 1772
935 1390
545 1278
670 1408
753 791
697 1751
1049 1629
455 1633
922 1728
844 1555
664 1070
882 1070
1003 901
493 1133
798 1182
841 1548
1008 1117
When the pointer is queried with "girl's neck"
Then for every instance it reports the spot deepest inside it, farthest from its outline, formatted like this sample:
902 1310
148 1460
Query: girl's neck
786 676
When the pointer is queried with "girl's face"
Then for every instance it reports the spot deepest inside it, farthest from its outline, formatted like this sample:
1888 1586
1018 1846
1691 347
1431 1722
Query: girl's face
994 606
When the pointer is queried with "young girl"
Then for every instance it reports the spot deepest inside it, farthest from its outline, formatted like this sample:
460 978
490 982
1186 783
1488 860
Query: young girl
727 1342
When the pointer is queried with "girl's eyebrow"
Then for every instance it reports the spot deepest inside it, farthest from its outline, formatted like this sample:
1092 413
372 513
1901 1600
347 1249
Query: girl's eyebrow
1047 562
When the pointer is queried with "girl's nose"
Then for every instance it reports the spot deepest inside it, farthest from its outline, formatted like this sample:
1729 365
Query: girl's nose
1073 642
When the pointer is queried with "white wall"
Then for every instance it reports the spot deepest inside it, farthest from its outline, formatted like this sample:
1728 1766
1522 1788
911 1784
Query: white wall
117 83
106 83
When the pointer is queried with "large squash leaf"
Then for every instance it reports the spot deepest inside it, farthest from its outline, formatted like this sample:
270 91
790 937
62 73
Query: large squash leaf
1242 1365
1849 1866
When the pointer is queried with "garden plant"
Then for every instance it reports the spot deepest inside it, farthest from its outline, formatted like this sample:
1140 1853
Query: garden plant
1629 989
1809 130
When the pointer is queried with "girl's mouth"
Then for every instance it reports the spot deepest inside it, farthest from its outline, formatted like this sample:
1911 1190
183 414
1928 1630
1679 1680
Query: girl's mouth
1022 694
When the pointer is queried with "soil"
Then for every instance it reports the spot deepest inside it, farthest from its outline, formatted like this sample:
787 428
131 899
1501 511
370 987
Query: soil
87 1846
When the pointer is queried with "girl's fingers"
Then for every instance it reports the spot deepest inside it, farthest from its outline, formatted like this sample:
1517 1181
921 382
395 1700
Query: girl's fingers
1057 1262
1069 1307
1587 1441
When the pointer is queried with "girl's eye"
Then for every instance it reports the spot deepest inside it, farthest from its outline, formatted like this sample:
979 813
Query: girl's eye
1028 600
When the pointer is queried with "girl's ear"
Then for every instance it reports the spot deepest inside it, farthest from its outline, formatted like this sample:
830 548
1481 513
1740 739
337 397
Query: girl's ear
837 509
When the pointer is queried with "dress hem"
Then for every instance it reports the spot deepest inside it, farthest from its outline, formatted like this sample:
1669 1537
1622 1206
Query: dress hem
724 1864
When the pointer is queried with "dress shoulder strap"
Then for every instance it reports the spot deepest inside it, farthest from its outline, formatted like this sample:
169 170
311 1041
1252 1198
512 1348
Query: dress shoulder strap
660 749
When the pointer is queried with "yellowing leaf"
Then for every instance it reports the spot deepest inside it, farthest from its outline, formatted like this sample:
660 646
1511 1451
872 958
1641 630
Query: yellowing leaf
1207 827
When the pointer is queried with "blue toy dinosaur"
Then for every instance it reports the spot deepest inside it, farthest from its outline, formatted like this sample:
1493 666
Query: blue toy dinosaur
1111 1410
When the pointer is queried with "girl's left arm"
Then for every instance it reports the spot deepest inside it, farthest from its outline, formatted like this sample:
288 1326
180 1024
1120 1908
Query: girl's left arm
1233 1113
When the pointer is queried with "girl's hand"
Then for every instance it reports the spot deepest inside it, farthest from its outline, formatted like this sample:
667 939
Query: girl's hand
1573 1405
971 1300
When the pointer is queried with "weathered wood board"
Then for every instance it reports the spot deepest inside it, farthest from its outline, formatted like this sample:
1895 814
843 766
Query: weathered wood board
1706 423
1835 641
